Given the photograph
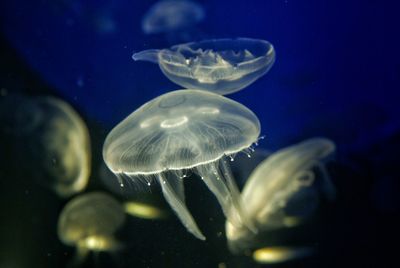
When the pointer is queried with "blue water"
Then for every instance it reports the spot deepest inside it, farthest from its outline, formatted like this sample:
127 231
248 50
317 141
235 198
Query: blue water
327 64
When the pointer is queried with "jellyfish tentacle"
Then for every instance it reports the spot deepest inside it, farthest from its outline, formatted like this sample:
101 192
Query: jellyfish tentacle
150 55
236 197
217 184
176 182
174 196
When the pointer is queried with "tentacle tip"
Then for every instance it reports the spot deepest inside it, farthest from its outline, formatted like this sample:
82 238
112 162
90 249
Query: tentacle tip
201 237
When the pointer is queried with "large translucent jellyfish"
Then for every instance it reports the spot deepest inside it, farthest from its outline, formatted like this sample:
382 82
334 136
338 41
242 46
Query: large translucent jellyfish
222 66
52 141
280 188
180 132
171 15
89 222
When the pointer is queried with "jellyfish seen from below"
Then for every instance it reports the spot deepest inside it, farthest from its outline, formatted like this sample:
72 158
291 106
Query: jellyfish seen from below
180 132
222 66
52 140
172 15
281 188
89 222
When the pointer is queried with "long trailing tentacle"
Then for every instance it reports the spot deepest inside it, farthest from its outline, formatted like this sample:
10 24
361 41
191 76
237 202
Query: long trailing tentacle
172 188
225 190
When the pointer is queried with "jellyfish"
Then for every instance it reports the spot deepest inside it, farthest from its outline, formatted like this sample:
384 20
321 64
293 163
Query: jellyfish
279 254
89 223
172 15
280 189
144 210
179 133
51 140
222 66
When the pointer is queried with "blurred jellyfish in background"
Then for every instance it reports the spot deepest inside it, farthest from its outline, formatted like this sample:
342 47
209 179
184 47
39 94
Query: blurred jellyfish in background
172 17
222 66
51 143
280 192
99 19
145 210
178 133
89 223
273 255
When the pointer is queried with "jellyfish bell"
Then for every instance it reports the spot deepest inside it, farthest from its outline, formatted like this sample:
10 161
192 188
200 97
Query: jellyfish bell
89 223
280 190
182 131
172 15
93 214
222 66
64 142
51 139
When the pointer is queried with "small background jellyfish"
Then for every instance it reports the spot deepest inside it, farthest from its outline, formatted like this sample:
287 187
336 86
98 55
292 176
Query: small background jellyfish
89 223
222 66
279 192
175 18
178 133
280 254
51 141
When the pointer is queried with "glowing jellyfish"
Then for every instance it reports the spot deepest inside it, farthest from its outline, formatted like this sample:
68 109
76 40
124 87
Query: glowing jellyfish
171 15
222 66
89 222
276 188
272 255
144 210
180 132
52 140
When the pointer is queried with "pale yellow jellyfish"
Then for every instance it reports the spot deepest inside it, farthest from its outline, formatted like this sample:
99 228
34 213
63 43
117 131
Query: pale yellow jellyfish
277 185
180 131
222 66
52 140
144 210
89 222
279 254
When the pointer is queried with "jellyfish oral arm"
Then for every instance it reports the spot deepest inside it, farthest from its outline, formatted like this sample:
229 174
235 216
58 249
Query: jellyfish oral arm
222 185
150 55
172 189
